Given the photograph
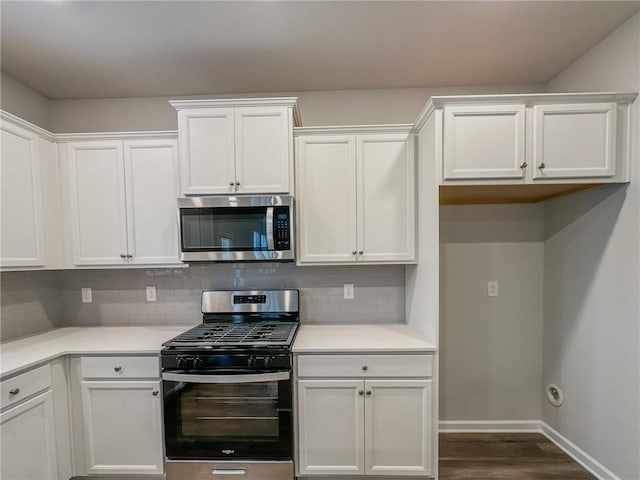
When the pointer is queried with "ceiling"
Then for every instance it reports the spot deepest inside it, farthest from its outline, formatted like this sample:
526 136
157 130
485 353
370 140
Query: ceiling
97 49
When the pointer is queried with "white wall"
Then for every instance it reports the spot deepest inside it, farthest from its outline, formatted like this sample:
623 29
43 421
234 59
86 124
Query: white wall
592 284
24 102
491 347
340 107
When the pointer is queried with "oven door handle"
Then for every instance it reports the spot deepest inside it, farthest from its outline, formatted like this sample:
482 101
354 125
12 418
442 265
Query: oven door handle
250 378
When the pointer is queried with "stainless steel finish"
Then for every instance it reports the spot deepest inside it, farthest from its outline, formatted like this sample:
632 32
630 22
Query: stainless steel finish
227 379
524 165
541 166
221 301
360 392
241 201
155 393
269 227
365 368
117 369
14 391
207 470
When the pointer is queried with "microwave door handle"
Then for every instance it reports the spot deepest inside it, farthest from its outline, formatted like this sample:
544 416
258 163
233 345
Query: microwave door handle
250 378
270 230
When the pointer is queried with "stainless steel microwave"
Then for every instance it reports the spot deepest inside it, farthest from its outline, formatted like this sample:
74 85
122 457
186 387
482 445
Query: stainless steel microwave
236 228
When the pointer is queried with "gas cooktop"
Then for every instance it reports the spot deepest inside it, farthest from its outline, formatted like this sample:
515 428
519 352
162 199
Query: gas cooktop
266 333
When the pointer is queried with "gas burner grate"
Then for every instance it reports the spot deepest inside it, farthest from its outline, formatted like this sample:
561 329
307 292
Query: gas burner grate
259 333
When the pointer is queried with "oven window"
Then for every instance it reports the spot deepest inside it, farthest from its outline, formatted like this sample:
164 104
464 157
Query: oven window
226 412
223 229
228 421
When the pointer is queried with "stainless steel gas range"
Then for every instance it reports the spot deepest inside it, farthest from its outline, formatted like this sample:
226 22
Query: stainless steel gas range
228 390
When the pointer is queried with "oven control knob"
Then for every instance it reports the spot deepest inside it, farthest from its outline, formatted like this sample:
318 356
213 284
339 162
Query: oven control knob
198 363
182 363
267 361
251 363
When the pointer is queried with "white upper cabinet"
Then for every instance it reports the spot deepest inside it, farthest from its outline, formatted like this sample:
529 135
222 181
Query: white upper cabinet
236 146
21 190
356 196
122 201
574 140
484 141
531 139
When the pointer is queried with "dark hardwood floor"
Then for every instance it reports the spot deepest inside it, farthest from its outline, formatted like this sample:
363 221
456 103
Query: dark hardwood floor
505 456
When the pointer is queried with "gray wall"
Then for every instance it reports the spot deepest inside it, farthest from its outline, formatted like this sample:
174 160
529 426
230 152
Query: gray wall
491 347
592 284
30 302
24 102
346 107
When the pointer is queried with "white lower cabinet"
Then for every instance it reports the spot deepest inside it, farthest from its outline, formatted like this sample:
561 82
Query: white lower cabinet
123 427
117 409
358 426
28 440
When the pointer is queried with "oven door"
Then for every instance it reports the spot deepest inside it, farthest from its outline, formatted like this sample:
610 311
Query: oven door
228 416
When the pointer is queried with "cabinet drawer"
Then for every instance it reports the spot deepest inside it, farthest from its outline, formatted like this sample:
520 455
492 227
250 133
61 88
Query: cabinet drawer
120 367
365 365
18 388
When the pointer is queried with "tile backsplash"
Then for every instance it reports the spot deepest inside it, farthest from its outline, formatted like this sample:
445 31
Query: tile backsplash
34 301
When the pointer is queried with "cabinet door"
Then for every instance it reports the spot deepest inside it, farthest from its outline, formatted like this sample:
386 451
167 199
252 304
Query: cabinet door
123 427
330 429
152 189
22 242
207 152
263 149
398 426
386 199
28 440
326 201
98 216
484 142
576 140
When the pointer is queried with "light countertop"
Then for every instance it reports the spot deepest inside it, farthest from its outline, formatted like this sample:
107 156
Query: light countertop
25 352
360 338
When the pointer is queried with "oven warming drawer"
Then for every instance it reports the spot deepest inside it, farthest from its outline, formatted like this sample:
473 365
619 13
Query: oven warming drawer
203 470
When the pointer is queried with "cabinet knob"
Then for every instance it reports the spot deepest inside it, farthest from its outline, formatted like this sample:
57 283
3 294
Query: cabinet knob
117 369
360 392
237 184
524 165
231 184
541 166
14 391
155 393
129 256
368 392
354 252
360 252
123 256
365 368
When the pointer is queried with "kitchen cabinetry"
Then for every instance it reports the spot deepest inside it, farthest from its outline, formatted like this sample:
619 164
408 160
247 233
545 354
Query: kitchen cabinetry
30 237
27 433
121 415
356 195
236 146
364 415
122 201
531 139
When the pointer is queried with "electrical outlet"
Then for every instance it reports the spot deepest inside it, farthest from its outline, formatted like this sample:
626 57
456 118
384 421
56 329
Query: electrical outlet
349 291
87 297
492 288
151 293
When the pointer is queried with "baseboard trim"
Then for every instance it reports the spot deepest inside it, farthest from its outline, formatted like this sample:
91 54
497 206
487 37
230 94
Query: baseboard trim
489 426
583 458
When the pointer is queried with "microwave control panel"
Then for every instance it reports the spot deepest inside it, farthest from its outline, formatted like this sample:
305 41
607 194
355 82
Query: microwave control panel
282 228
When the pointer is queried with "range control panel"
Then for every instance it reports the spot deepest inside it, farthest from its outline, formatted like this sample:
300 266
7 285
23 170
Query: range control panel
248 299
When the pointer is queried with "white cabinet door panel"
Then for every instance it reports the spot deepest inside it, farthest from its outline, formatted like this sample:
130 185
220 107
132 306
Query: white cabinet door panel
331 433
207 151
398 427
99 224
28 441
385 184
22 241
123 427
326 170
576 140
152 189
485 141
263 157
